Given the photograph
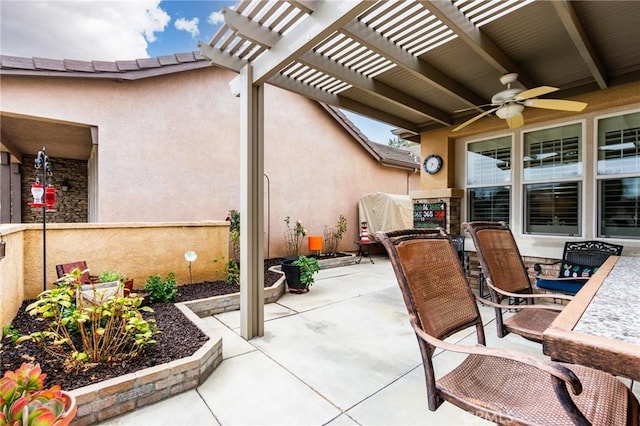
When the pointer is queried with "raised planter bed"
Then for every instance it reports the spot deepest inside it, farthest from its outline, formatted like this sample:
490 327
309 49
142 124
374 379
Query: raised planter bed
120 395
231 302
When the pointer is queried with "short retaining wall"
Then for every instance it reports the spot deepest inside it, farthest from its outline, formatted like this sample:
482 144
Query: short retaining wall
231 302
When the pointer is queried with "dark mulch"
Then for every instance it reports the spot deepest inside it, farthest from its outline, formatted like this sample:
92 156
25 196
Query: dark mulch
174 327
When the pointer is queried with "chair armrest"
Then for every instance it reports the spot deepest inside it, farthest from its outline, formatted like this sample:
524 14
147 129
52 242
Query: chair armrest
530 296
553 368
537 267
501 306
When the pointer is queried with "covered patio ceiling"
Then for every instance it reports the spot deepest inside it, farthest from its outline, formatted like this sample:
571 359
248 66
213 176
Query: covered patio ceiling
415 64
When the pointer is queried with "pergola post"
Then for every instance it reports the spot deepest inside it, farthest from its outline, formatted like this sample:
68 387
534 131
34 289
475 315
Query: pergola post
251 205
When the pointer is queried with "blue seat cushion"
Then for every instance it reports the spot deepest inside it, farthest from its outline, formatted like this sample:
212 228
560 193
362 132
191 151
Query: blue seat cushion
561 286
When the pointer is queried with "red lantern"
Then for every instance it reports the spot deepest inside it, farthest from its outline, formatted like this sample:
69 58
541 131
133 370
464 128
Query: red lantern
50 198
37 191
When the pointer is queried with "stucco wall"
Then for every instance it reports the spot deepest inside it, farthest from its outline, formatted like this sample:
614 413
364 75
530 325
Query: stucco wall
168 150
11 273
135 249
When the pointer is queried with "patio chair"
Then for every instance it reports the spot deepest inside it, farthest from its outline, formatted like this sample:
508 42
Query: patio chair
67 268
580 260
500 385
507 279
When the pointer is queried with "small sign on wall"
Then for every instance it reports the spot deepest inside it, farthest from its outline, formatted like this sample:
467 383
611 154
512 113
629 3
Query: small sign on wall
429 214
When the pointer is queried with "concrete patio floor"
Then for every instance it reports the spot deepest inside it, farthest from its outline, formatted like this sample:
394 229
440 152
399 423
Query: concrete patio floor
342 354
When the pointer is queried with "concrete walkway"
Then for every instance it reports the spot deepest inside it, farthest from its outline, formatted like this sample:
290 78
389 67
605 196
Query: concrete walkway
342 354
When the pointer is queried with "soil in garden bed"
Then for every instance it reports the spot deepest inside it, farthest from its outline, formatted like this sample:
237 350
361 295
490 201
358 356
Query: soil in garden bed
179 338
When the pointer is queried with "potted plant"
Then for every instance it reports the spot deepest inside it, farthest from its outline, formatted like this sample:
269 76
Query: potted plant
111 276
299 273
24 401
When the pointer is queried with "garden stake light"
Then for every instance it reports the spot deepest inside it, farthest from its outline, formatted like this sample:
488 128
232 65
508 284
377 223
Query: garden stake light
190 256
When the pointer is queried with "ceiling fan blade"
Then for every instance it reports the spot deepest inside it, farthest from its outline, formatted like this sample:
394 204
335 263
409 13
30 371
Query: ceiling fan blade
535 92
476 118
473 107
515 121
556 104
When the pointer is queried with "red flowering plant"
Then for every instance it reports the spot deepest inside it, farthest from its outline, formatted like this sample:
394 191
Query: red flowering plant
24 401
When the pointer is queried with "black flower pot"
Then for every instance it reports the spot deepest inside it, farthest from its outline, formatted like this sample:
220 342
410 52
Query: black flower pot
292 275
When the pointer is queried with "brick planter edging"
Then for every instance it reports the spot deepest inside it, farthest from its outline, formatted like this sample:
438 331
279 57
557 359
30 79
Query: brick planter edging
231 302
113 397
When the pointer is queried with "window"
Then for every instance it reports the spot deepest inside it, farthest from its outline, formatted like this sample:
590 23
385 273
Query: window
619 176
552 173
489 179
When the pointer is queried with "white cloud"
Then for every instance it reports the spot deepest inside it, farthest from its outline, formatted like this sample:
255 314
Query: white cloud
216 18
84 30
190 26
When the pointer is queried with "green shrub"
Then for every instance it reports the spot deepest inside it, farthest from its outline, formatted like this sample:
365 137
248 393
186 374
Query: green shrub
78 331
308 267
160 290
10 332
110 276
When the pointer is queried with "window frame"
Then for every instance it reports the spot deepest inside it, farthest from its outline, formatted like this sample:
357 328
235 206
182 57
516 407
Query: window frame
581 178
510 183
599 178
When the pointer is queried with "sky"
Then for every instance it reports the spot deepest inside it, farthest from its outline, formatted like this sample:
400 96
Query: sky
120 30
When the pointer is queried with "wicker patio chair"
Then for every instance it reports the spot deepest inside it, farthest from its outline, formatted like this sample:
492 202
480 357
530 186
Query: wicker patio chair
500 385
580 260
507 279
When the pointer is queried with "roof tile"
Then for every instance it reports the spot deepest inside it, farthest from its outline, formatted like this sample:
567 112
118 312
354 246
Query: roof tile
74 65
49 64
105 66
17 62
148 63
167 60
131 65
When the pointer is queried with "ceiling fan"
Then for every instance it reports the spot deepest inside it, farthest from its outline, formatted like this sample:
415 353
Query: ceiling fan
508 104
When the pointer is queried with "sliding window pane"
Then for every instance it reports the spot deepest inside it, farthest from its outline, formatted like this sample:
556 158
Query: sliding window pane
553 208
619 207
553 153
489 162
619 144
490 203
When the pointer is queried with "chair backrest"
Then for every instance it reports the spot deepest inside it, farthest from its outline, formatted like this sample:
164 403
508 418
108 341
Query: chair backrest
435 289
583 258
433 284
67 268
499 256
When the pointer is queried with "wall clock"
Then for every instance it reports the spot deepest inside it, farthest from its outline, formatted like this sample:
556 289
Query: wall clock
432 164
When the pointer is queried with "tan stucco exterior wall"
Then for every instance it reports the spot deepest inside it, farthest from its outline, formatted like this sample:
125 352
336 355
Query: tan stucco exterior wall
168 150
137 250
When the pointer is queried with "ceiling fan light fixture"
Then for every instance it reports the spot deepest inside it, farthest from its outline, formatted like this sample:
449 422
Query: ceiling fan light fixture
509 111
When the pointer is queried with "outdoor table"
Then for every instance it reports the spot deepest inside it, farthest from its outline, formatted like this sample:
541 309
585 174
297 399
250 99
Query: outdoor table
600 327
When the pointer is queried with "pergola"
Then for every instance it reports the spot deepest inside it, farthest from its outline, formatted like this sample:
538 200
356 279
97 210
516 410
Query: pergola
417 65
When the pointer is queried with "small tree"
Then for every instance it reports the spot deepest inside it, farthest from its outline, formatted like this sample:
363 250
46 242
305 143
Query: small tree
293 237
332 236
